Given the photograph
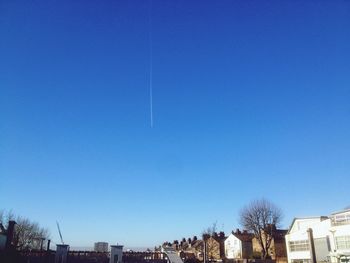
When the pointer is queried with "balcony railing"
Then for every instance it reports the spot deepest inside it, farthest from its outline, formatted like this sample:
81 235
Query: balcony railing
341 220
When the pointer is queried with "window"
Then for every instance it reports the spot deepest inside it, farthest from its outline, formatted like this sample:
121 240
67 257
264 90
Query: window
300 245
342 219
343 242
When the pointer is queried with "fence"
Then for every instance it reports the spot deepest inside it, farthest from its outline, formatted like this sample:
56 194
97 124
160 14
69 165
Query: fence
13 256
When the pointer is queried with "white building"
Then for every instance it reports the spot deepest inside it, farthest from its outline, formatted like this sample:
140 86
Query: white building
101 247
238 245
116 254
331 236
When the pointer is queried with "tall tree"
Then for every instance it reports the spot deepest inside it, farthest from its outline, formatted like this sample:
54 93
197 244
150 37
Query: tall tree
261 217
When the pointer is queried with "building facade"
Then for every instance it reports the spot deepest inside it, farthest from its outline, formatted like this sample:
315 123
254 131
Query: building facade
277 249
238 245
101 247
213 249
331 238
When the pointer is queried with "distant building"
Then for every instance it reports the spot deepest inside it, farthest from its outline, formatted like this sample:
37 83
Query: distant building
238 245
194 248
331 236
101 247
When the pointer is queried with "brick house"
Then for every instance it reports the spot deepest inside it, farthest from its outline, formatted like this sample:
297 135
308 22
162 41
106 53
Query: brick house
213 249
277 249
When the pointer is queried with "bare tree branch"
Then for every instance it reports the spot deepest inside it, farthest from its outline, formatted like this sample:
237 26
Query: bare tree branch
261 217
27 234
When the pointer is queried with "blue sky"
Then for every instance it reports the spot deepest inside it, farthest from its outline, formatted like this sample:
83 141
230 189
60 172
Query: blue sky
251 99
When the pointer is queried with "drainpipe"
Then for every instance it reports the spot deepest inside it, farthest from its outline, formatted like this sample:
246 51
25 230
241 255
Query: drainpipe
312 245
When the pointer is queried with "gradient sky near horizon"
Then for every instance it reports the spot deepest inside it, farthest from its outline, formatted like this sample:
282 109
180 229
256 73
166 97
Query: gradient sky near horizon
251 100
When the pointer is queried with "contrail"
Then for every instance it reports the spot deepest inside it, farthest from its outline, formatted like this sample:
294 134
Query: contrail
150 64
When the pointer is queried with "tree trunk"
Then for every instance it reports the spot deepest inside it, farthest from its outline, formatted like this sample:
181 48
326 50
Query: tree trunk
264 254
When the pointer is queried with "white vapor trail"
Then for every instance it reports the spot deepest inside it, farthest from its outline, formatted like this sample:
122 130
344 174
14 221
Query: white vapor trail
150 64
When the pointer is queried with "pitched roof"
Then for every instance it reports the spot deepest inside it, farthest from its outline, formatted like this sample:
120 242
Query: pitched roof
301 218
197 243
215 239
185 245
280 233
245 237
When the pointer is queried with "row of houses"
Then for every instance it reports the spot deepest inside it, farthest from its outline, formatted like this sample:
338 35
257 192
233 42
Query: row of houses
308 240
237 245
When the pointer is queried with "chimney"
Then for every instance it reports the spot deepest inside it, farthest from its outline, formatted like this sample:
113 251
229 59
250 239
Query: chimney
9 234
48 245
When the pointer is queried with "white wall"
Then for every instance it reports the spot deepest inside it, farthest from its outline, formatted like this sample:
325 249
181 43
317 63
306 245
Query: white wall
304 223
321 229
298 232
116 254
233 247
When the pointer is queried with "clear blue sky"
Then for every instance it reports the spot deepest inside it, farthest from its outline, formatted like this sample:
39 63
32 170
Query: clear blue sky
251 100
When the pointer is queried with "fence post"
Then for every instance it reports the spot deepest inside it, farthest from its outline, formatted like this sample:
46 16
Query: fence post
116 254
61 253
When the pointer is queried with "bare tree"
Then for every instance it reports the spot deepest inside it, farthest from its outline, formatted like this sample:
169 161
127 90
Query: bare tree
27 234
206 234
211 229
261 217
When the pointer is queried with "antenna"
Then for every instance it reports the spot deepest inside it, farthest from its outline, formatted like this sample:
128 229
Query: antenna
59 231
